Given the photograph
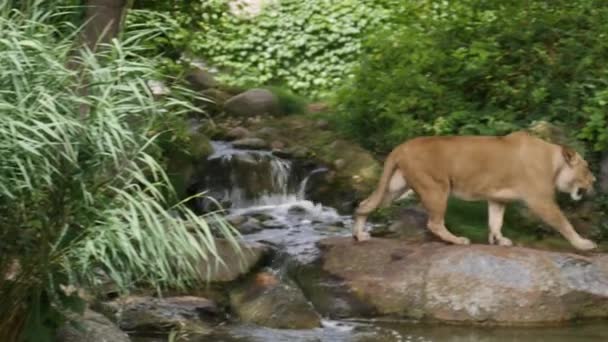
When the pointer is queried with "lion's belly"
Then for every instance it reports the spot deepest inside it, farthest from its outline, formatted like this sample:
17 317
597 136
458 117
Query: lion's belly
478 195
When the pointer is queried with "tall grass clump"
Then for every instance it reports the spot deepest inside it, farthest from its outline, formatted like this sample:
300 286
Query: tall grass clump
82 198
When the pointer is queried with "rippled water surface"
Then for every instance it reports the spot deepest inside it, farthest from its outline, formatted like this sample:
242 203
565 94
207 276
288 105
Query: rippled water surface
369 331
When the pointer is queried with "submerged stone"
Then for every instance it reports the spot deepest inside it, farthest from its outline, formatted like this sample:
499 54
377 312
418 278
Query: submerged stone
91 326
143 314
272 302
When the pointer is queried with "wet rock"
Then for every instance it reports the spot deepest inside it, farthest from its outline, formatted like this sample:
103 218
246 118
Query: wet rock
200 78
92 326
238 133
267 131
297 210
466 284
299 152
251 143
253 102
341 188
277 145
236 220
261 216
272 302
250 226
235 264
282 153
273 224
143 314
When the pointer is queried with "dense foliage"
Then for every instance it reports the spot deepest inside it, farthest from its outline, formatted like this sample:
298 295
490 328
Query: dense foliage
81 197
482 67
307 46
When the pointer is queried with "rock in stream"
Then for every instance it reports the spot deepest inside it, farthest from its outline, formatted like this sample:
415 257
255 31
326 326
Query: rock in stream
465 284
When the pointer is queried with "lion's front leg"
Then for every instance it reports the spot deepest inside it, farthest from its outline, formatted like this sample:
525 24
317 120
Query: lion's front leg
496 213
550 212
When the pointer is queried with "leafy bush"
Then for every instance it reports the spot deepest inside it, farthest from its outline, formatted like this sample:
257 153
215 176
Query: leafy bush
481 67
80 194
307 46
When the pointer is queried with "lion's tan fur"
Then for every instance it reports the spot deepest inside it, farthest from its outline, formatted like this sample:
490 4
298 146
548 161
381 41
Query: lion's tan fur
497 169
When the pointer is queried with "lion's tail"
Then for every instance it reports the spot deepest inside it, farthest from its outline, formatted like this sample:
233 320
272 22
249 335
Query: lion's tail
374 200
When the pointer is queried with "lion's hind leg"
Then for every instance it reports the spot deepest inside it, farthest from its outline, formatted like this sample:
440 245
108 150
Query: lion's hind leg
397 186
435 201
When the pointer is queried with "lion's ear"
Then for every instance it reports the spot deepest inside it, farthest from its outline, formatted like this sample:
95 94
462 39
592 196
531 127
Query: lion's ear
568 154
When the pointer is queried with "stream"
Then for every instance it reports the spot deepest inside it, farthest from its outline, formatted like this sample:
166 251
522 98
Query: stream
255 183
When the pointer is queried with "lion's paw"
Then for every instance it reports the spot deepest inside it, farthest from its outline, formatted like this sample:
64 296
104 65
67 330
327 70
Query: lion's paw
462 241
585 245
500 240
362 236
503 241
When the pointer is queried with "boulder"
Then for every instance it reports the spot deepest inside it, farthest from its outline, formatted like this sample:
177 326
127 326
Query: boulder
251 225
91 326
272 302
237 133
144 314
461 284
235 264
253 102
277 145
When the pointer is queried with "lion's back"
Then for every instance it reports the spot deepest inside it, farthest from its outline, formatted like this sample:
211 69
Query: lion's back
477 166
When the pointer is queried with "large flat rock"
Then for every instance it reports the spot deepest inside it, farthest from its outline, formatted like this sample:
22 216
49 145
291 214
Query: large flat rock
467 284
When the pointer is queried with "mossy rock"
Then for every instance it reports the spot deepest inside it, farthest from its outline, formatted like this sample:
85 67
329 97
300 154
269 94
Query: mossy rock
357 174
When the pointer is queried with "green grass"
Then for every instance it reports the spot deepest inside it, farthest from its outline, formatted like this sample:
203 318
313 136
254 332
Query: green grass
470 219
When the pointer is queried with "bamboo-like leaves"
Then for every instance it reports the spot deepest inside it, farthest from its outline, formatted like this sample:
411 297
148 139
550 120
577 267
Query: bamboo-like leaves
80 196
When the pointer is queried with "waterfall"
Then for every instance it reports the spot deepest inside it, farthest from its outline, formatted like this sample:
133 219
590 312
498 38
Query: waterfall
246 178
271 192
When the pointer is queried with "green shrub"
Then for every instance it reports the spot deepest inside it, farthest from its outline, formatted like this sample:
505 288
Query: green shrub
289 103
80 194
307 46
481 67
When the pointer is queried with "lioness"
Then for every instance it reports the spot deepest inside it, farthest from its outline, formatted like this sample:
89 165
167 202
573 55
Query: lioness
498 169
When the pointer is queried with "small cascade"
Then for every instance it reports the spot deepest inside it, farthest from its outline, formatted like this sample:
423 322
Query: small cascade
244 178
272 190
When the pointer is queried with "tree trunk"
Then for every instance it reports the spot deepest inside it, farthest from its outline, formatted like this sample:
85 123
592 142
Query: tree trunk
102 22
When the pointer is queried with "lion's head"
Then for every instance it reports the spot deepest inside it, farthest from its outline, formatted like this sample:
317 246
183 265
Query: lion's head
575 177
